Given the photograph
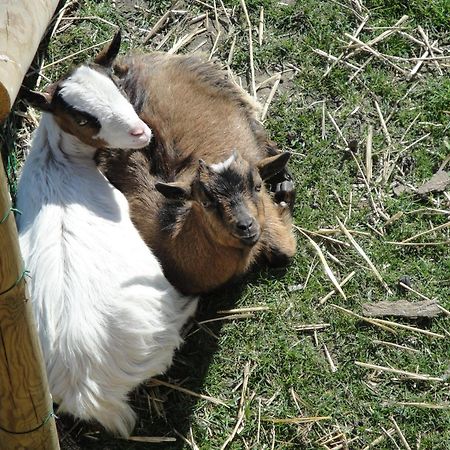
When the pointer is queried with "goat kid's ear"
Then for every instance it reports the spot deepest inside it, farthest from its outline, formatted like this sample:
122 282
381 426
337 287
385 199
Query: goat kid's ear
174 191
40 100
270 166
108 54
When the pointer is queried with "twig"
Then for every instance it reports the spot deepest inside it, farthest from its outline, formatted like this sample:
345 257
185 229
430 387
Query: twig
413 375
394 345
325 265
369 153
230 317
175 387
331 293
241 410
400 434
250 48
363 254
379 439
424 405
383 124
312 327
298 420
439 227
270 97
160 22
185 40
329 359
244 310
261 25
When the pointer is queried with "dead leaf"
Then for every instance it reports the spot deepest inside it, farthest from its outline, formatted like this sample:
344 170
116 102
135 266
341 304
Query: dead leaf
437 183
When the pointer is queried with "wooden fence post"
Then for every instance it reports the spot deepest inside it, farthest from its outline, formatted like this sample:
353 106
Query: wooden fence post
26 412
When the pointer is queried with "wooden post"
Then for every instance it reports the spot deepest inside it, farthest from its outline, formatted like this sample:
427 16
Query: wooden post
22 25
26 412
26 419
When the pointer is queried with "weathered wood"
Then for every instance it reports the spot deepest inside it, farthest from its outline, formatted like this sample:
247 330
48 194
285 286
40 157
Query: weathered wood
402 308
22 25
25 402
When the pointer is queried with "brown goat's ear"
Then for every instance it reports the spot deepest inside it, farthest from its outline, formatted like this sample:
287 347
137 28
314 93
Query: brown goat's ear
40 100
174 191
108 54
270 166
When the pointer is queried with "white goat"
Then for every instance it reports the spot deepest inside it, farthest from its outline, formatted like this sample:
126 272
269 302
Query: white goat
107 317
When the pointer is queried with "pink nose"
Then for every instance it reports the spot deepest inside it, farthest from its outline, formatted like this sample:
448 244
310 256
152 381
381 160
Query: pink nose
138 131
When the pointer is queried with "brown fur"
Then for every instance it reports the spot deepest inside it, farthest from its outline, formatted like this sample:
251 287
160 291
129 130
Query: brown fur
196 113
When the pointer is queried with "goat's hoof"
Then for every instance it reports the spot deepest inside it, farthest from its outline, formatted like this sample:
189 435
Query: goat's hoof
285 193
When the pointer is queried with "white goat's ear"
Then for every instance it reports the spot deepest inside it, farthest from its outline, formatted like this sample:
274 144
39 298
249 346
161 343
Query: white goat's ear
270 166
107 56
40 100
174 191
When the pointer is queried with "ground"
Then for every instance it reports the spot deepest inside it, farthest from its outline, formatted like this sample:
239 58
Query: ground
285 370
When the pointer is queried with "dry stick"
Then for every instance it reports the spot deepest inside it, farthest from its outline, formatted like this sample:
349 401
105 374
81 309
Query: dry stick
185 40
230 317
366 62
363 254
439 227
419 63
383 124
214 47
409 127
330 360
369 153
267 81
261 25
400 434
364 319
312 327
418 244
394 345
420 405
379 439
334 58
323 119
336 126
418 41
159 24
270 97
325 265
407 327
405 286
231 54
244 310
355 34
323 236
331 293
241 410
214 400
250 49
413 375
377 54
430 48
391 438
381 37
297 420
150 439
445 311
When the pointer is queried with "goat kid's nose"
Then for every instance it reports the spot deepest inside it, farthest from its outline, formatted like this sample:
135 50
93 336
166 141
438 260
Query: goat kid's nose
245 224
138 131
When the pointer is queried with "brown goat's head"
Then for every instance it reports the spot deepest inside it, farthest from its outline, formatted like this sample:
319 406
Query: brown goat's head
228 195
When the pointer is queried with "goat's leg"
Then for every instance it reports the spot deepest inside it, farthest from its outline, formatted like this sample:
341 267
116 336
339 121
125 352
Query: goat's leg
279 243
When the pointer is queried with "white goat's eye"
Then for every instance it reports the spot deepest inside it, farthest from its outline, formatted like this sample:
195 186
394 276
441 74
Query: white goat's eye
258 187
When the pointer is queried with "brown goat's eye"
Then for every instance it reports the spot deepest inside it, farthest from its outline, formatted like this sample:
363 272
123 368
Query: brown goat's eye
206 204
82 122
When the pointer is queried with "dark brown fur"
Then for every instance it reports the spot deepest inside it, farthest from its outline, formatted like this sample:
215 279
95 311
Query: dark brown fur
196 113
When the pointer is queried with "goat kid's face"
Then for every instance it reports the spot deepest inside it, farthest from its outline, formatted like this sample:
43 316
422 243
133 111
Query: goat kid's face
88 104
229 195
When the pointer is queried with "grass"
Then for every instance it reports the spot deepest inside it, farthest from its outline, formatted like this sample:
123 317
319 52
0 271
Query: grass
290 376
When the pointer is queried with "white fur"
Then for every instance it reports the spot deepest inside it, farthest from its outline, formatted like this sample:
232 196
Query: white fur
107 317
220 167
88 90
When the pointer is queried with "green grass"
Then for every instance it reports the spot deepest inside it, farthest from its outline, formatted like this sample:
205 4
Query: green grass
283 360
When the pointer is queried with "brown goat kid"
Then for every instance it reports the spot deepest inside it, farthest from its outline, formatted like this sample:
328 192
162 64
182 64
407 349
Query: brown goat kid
197 193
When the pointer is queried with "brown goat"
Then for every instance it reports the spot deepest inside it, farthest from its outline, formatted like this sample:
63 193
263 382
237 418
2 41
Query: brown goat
196 193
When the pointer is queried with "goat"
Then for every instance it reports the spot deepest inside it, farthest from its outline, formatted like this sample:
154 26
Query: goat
107 317
207 222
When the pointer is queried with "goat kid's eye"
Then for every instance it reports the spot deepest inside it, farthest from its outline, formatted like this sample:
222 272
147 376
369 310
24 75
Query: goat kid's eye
258 187
206 204
82 122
